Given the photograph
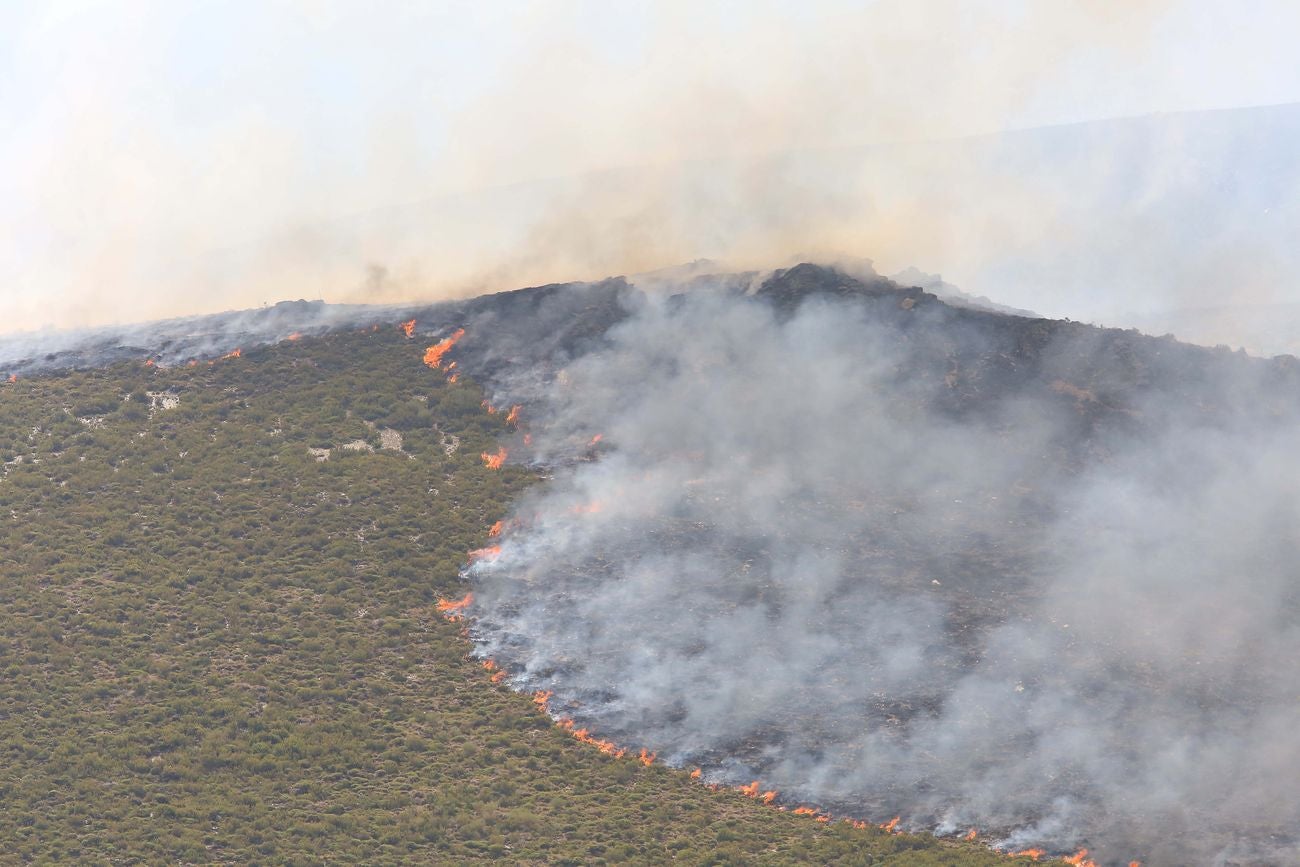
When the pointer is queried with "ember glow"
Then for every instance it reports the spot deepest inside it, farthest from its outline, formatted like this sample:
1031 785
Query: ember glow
496 460
408 328
433 355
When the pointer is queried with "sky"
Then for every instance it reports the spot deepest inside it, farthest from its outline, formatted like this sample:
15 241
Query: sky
181 157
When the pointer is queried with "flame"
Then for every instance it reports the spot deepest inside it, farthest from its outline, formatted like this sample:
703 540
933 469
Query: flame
542 698
822 818
695 774
452 379
1080 859
295 337
409 328
454 608
495 530
451 366
498 677
861 826
1135 864
494 462
13 377
513 416
609 748
489 665
804 811
489 553
971 835
750 791
890 825
193 362
646 758
1033 854
433 355
491 410
149 362
597 438
768 797
234 353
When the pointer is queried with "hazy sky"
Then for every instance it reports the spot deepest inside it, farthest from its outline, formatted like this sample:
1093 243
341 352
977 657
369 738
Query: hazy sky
149 147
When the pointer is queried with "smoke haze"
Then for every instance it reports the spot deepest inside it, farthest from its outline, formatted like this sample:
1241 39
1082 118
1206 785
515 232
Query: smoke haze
174 159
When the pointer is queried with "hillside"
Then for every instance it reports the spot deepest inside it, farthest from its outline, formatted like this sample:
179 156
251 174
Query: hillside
222 647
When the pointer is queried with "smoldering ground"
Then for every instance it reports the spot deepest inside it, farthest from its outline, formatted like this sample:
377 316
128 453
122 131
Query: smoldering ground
855 551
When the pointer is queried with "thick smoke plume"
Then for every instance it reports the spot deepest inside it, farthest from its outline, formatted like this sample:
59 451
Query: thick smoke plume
811 549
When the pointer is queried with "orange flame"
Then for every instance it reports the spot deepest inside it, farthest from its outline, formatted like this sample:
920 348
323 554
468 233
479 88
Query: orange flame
149 362
495 530
234 353
542 698
513 416
295 337
489 553
971 835
861 826
647 758
433 355
890 825
498 677
768 797
1080 859
804 811
597 438
409 328
494 462
750 791
1135 864
489 665
452 379
1033 854
454 608
695 774
13 377
193 362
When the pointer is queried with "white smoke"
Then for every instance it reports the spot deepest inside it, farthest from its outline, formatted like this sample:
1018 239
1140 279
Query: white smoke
854 551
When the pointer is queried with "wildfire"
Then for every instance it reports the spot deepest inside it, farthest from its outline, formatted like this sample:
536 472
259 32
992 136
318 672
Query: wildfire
193 362
13 377
861 826
452 379
597 438
542 698
1080 859
609 748
890 825
496 529
971 835
295 337
750 791
149 362
408 327
646 758
494 462
491 410
454 609
695 774
805 811
1033 854
489 553
768 796
513 416
587 508
433 355
234 353
498 677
